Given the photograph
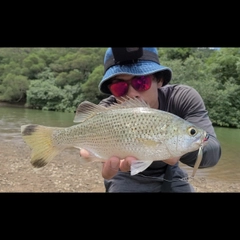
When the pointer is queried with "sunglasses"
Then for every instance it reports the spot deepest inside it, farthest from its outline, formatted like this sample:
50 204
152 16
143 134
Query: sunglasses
120 88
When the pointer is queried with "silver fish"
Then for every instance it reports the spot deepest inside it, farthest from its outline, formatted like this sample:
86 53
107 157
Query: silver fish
130 128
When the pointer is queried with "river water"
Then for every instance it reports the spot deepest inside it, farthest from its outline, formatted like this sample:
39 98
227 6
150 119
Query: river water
228 168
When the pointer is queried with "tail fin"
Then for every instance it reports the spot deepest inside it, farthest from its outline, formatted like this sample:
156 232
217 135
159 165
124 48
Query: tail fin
39 139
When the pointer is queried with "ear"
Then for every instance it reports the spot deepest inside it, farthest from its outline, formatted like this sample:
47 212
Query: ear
160 83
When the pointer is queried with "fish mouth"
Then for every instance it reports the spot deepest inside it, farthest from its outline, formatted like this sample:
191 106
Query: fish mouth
205 139
202 141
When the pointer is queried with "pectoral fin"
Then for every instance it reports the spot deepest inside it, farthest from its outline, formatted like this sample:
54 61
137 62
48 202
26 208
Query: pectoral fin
139 166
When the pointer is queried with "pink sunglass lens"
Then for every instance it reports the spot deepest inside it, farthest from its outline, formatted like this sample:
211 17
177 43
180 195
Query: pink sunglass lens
119 89
141 83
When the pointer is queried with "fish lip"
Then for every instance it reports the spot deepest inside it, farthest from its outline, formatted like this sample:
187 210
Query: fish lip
204 139
207 135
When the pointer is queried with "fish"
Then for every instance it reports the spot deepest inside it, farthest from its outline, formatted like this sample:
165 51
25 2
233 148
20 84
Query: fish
127 128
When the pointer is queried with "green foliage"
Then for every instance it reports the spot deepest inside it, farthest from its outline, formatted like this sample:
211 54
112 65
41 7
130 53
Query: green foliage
220 93
71 78
90 89
175 53
58 79
46 73
225 106
13 88
225 65
33 65
70 101
43 95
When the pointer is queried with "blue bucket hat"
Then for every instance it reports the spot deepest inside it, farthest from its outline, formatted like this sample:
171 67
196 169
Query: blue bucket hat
147 64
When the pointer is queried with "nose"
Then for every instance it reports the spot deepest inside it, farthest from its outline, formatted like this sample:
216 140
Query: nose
132 93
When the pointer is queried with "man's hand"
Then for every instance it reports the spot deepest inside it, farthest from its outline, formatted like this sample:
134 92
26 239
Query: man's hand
172 161
114 164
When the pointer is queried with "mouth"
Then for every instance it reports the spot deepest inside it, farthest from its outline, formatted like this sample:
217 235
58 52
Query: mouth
205 139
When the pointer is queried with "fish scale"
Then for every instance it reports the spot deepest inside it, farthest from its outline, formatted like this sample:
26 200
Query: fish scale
127 131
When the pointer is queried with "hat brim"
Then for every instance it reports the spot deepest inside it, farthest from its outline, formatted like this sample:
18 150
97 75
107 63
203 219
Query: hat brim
140 68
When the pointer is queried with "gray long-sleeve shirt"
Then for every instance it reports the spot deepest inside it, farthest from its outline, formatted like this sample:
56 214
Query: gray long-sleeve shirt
187 103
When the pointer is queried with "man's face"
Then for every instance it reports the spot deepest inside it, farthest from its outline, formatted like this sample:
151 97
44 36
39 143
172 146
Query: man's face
133 83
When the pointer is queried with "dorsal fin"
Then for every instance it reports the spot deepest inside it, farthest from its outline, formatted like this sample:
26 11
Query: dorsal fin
87 109
127 102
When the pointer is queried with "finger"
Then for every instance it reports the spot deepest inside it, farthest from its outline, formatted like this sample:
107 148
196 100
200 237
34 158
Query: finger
125 165
110 167
172 161
84 153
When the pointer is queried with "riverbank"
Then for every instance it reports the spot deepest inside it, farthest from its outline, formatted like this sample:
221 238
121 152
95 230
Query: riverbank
7 104
66 173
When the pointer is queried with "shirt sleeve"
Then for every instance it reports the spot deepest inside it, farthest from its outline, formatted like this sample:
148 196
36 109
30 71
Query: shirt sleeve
191 107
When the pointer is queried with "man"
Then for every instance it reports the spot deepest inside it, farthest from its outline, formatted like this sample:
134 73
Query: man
137 73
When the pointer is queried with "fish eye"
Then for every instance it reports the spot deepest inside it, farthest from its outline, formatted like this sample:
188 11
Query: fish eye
192 131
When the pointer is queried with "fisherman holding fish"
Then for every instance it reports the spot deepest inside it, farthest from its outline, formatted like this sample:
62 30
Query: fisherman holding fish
137 73
140 132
